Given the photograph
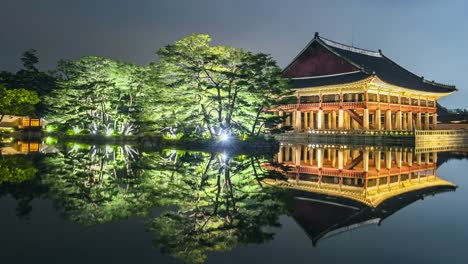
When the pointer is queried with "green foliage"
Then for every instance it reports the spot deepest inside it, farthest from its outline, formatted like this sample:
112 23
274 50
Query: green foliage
31 79
17 101
98 95
226 88
16 169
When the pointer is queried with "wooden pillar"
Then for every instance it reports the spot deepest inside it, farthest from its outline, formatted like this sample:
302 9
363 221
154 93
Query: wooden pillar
311 120
320 121
329 120
434 121
366 119
378 120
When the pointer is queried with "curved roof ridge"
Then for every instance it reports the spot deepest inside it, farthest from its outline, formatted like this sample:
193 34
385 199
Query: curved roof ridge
325 76
433 83
351 48
451 86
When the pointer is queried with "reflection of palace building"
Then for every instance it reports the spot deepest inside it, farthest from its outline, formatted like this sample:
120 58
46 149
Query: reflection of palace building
340 189
367 175
20 147
343 87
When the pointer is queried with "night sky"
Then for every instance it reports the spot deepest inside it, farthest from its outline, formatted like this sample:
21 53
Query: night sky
428 37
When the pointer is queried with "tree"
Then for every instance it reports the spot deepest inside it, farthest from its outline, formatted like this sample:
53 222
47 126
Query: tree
98 95
229 87
17 101
29 60
31 79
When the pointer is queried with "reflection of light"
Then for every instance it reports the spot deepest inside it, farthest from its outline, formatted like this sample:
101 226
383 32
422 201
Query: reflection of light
76 130
109 131
224 157
108 149
224 137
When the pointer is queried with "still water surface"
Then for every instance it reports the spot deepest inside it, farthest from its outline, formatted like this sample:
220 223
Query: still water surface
78 203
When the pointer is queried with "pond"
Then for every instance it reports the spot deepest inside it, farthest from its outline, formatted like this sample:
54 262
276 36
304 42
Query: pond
84 203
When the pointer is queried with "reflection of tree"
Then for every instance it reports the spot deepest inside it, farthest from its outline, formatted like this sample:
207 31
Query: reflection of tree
224 208
16 169
17 179
91 184
220 201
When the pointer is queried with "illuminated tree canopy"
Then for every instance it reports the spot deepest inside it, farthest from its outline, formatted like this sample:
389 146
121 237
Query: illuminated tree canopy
97 95
17 101
228 87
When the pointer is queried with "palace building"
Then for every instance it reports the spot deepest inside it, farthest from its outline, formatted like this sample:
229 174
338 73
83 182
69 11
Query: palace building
347 88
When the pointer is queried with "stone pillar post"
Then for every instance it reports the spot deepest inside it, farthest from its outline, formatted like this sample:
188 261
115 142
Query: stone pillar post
405 121
340 159
311 156
340 119
409 158
333 119
280 113
298 155
378 119
298 117
320 119
366 119
304 153
319 158
388 159
306 120
418 121
426 121
377 160
365 161
280 155
388 120
398 120
410 121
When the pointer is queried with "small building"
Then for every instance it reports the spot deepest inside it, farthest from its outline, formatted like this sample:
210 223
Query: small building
343 87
